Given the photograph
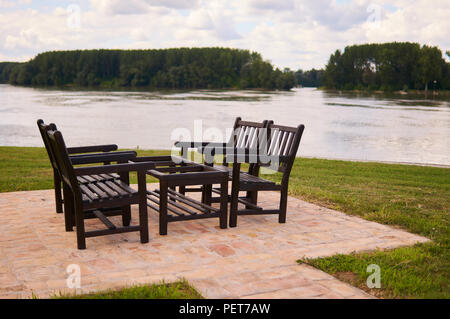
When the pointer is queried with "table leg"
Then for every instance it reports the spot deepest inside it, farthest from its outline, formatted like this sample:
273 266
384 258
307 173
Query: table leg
207 190
182 189
163 208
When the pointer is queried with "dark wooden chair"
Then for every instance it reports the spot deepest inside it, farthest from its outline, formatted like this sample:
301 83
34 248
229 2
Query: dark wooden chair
246 134
279 154
81 159
88 199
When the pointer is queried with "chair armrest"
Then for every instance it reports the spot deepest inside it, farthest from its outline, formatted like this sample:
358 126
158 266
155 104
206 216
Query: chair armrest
243 155
156 158
198 145
93 155
92 148
189 144
103 157
115 168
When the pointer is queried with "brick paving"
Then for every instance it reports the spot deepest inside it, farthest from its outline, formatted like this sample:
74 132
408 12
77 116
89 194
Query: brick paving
255 260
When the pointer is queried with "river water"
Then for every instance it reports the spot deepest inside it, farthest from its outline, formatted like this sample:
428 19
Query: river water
400 128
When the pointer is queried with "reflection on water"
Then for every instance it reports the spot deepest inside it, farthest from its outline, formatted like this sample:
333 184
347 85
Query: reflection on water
346 125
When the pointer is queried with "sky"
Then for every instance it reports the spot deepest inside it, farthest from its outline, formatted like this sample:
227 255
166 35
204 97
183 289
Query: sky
288 33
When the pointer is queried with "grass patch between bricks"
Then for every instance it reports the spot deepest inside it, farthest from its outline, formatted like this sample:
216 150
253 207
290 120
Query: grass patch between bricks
176 290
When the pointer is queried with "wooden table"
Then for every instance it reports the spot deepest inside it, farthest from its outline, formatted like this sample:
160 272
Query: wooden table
175 206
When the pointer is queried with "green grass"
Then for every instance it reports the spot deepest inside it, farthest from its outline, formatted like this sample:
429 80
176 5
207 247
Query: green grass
28 168
414 198
177 290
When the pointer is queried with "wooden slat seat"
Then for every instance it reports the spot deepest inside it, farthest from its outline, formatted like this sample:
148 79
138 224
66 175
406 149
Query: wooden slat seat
99 193
97 178
248 182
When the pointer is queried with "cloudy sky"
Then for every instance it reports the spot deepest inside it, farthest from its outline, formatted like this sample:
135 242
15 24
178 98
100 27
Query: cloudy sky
289 33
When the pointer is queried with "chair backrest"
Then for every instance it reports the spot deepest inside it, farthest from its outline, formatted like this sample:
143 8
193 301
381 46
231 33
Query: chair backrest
283 144
43 130
246 133
63 163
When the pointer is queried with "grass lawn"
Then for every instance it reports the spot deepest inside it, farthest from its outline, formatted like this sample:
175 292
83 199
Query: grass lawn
414 198
177 290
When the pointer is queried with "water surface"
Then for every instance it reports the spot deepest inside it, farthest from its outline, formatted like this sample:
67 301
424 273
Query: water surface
345 126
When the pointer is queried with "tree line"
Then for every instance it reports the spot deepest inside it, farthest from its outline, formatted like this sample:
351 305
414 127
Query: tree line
182 68
311 78
388 67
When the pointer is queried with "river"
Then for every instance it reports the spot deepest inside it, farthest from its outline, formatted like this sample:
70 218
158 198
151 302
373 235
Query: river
373 127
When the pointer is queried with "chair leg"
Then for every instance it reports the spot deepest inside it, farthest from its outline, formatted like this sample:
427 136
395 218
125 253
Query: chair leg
234 195
143 214
143 221
126 215
283 206
223 204
68 208
58 195
79 221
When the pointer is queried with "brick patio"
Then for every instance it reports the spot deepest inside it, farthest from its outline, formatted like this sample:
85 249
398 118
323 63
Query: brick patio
255 260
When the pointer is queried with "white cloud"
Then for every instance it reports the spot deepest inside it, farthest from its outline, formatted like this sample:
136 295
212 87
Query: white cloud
200 19
7 4
139 35
111 7
289 33
140 6
271 5
175 4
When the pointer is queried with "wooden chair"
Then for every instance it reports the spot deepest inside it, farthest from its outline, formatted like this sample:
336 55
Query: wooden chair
77 159
86 199
282 146
246 134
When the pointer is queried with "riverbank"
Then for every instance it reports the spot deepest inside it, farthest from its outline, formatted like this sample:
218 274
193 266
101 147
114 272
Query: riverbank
439 94
414 198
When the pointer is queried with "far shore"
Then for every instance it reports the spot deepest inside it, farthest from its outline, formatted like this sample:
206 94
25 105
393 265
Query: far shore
440 93
111 88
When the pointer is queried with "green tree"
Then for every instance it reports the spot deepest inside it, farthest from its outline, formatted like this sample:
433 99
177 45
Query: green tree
386 66
181 68
430 65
